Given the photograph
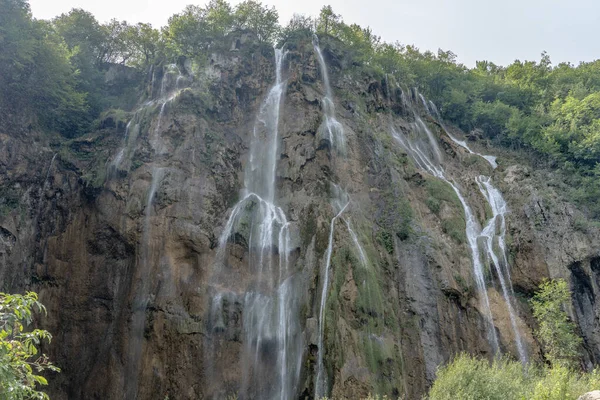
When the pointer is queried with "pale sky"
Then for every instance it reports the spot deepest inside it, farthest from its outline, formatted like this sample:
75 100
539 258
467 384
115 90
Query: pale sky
496 30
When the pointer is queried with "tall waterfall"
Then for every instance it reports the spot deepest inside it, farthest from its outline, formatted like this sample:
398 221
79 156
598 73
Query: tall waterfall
421 148
142 292
272 341
339 203
493 234
331 129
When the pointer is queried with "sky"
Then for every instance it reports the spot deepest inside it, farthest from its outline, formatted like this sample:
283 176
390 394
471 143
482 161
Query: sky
500 31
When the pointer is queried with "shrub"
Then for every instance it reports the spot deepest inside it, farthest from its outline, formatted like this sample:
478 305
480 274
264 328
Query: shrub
471 378
20 362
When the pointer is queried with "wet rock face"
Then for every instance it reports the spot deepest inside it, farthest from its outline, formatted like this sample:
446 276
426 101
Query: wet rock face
90 239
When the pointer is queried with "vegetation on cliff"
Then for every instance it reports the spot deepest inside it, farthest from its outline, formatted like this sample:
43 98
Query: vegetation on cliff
469 377
20 361
55 69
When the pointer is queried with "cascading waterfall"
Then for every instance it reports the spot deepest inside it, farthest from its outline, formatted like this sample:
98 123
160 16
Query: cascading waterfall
493 234
423 149
171 86
432 109
142 292
339 203
331 129
169 91
271 359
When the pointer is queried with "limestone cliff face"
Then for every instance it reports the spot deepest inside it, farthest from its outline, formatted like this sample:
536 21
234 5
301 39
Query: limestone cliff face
119 233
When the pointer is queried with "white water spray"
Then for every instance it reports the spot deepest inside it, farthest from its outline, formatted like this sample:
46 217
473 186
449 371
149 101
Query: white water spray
420 148
493 234
339 203
331 129
271 359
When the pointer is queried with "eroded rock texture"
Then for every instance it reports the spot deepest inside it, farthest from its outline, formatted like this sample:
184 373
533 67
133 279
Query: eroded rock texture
124 252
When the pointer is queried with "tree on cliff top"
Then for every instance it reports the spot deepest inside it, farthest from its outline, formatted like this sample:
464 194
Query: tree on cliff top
20 362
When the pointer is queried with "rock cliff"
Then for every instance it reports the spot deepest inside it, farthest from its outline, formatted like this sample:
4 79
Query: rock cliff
121 233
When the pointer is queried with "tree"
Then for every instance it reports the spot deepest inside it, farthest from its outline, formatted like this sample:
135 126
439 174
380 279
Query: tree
328 20
298 26
261 20
20 362
219 18
186 32
81 31
38 80
141 43
555 330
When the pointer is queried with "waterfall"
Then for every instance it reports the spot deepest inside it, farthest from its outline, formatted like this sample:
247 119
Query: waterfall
331 129
272 353
424 150
432 109
339 203
142 292
169 91
494 233
357 245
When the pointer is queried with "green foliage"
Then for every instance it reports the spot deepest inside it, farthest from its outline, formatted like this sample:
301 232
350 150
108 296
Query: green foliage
561 383
37 74
198 30
20 363
555 331
440 190
455 227
468 377
261 20
471 378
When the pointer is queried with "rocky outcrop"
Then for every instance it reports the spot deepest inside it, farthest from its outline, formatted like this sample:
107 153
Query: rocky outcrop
595 395
91 234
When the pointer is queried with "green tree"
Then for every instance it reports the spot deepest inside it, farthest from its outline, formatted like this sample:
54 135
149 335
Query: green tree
38 80
81 31
261 20
328 21
187 33
299 26
142 43
555 330
20 361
